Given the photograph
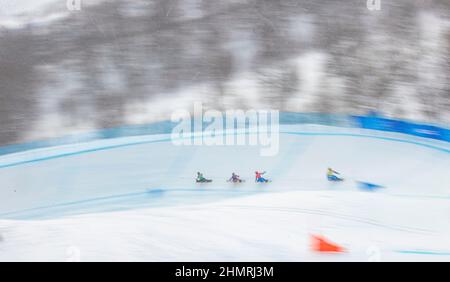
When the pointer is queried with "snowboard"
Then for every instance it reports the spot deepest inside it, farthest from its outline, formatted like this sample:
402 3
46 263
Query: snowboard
203 181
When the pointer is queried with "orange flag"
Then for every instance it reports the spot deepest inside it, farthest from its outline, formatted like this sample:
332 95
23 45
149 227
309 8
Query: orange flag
320 244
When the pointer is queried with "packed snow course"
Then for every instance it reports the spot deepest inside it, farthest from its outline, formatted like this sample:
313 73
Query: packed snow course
135 199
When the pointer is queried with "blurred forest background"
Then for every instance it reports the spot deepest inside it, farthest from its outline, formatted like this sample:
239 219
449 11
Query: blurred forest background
129 62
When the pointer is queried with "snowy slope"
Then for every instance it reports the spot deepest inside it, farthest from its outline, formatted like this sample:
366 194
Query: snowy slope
134 199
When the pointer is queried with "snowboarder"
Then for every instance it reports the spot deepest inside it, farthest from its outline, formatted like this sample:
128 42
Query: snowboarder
200 178
259 178
235 178
332 175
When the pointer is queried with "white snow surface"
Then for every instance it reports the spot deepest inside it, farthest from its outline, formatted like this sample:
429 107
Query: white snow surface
134 199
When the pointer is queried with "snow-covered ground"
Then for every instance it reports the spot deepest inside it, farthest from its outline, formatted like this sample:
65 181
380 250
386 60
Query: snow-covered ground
134 199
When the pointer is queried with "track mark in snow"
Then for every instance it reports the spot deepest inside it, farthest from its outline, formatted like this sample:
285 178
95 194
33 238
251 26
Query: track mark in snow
336 215
431 253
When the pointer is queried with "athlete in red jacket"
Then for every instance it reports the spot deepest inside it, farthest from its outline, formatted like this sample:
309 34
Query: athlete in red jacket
259 178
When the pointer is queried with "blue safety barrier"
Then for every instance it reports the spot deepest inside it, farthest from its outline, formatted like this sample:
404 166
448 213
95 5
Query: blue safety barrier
406 127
